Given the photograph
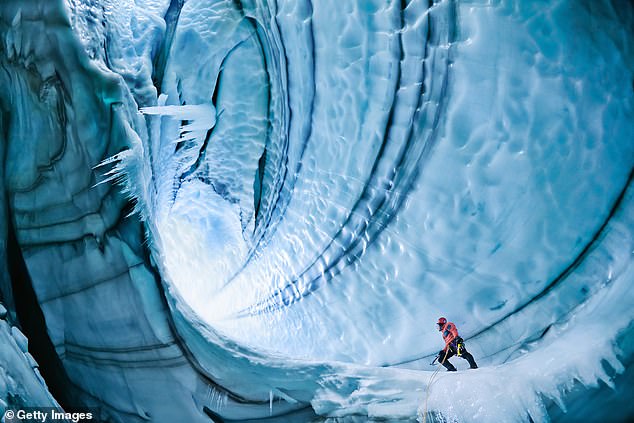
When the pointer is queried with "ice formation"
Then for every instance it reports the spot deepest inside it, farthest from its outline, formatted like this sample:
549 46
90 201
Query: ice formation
256 210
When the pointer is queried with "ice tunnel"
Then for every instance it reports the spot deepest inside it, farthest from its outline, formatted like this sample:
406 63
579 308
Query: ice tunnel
256 210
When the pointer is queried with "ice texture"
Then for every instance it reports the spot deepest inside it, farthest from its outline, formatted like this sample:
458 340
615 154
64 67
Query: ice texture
21 384
254 210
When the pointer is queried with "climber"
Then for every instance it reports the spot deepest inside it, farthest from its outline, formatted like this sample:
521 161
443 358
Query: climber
454 345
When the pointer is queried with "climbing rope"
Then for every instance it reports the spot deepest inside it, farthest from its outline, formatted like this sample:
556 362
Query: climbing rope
431 380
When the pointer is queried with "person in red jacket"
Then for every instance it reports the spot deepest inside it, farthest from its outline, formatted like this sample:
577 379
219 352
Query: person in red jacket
454 345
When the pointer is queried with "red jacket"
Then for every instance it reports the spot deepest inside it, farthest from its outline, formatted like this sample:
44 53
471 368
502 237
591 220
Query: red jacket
449 332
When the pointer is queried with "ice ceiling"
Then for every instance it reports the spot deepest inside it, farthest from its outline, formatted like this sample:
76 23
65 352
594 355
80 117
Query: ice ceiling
256 210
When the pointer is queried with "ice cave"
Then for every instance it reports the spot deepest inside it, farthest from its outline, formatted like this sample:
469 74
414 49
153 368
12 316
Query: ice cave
257 210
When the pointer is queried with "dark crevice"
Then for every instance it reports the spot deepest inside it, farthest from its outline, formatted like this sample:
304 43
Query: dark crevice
258 187
213 416
6 295
160 60
259 182
33 325
239 6
196 165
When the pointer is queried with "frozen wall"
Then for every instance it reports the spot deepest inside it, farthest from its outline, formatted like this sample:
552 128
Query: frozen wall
257 210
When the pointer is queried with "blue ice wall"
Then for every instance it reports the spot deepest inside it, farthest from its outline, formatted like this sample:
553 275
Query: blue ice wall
267 205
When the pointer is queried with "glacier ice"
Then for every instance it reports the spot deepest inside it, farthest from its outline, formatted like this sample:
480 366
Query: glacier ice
256 210
21 384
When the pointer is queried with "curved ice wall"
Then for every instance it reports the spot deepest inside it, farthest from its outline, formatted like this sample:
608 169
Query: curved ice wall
252 210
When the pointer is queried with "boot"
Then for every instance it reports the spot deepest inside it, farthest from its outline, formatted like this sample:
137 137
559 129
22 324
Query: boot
449 366
467 356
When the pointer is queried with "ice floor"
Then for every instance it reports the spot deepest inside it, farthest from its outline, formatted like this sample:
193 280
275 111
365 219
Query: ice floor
257 211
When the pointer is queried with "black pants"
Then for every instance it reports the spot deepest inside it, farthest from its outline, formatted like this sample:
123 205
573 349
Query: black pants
453 350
